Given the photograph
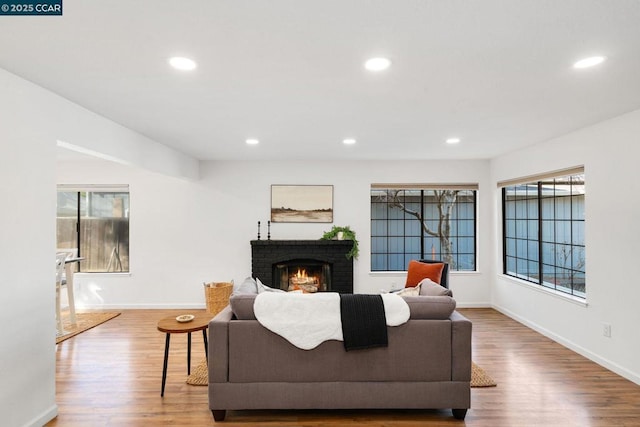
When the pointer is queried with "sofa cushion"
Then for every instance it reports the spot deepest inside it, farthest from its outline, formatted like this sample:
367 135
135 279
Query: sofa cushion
429 288
242 306
420 307
264 288
425 307
419 270
248 286
411 291
253 286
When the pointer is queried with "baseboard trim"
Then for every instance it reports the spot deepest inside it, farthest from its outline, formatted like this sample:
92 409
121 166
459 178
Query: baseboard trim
606 363
44 418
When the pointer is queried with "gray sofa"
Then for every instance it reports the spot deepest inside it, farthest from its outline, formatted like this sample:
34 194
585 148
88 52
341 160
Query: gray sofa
427 364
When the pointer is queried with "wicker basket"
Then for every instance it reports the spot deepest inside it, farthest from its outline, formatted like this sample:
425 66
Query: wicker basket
217 295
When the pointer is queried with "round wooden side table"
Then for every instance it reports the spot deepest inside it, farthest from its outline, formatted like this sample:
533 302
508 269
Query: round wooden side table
170 325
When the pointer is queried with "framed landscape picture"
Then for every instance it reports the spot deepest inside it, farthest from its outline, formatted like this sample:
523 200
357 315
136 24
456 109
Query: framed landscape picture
302 203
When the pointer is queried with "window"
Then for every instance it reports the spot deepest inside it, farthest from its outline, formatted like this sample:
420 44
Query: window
95 219
423 222
543 229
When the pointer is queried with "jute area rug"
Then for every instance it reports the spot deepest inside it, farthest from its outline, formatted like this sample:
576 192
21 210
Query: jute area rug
479 378
84 321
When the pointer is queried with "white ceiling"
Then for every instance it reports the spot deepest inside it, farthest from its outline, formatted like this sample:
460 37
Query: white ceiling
496 73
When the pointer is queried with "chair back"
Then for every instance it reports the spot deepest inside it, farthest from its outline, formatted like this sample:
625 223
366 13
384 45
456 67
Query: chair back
71 252
60 258
444 278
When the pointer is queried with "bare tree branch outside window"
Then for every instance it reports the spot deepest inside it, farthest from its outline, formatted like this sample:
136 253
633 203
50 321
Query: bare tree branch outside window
423 223
446 200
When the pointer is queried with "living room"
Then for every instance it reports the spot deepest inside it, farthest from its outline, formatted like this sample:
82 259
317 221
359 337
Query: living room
192 220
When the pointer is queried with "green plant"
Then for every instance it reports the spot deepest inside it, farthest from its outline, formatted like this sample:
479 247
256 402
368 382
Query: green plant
347 234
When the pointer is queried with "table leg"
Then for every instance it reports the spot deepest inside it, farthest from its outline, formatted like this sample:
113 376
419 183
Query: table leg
60 329
189 354
206 345
72 300
166 359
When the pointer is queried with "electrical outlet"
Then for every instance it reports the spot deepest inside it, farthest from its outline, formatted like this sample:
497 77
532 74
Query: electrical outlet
606 330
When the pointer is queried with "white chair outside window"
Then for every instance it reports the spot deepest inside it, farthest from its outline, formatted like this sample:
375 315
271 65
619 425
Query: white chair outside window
66 279
60 267
71 253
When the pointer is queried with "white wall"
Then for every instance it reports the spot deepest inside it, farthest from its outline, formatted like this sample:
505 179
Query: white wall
27 191
608 153
32 120
184 233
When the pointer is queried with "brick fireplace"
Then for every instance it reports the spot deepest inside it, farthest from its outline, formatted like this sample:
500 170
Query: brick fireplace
310 265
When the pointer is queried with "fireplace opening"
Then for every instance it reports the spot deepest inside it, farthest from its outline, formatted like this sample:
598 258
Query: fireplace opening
306 275
336 276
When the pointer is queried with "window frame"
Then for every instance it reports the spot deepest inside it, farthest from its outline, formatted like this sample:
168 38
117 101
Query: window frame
549 252
79 218
424 251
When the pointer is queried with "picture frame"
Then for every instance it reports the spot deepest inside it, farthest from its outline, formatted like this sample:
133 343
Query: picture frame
302 203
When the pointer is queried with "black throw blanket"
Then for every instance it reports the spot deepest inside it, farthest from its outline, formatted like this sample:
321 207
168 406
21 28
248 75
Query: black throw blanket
364 324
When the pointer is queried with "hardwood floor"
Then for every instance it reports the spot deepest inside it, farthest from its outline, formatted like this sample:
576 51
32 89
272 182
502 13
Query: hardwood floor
111 376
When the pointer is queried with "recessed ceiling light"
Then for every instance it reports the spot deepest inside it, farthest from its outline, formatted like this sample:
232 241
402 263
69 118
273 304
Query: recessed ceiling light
589 62
377 64
181 63
252 141
453 140
349 141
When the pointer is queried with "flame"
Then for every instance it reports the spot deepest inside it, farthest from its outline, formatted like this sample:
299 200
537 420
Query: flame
301 274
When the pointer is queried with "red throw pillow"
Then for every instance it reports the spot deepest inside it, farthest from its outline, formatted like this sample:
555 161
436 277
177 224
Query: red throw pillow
420 270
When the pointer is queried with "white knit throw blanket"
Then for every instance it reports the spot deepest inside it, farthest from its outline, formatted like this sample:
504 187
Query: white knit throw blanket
307 320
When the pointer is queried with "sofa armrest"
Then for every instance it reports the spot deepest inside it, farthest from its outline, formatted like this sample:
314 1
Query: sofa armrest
219 346
460 347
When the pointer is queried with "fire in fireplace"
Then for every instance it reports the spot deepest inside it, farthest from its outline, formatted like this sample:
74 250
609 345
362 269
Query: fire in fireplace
304 275
325 264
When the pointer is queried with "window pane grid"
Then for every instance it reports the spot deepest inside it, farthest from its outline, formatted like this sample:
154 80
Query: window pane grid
408 214
97 224
543 229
